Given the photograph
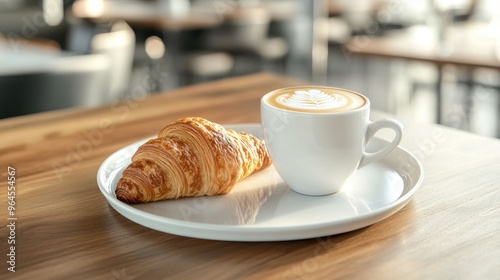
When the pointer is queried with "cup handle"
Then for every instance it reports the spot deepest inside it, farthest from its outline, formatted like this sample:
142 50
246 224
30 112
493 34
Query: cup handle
375 126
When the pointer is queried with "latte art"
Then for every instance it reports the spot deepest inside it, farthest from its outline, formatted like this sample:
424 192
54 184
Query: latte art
315 99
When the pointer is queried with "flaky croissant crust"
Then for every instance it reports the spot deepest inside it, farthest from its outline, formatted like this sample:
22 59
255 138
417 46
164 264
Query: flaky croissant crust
191 157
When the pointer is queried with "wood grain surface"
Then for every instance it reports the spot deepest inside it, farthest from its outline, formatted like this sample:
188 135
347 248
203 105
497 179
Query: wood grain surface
65 228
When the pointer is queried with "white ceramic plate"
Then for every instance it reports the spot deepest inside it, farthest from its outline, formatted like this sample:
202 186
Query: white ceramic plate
263 208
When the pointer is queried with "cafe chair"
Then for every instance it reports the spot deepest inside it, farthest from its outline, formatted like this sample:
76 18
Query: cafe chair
72 81
244 34
79 35
482 100
147 70
119 45
204 66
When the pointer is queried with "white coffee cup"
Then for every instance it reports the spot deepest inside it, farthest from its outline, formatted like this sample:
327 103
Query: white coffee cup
316 136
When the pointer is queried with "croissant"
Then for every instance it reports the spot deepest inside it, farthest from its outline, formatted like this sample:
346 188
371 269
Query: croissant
191 157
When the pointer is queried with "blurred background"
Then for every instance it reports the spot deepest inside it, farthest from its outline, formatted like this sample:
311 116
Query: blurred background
434 61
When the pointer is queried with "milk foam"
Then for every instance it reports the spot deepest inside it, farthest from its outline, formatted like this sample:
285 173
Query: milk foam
315 99
312 99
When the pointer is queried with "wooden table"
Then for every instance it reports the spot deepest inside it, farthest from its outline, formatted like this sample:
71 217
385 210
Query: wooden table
145 15
65 228
470 44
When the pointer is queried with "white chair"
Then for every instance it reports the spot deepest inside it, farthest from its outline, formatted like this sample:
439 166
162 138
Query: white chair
119 46
71 81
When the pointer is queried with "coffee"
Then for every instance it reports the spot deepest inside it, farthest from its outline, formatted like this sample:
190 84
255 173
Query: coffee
315 99
316 136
